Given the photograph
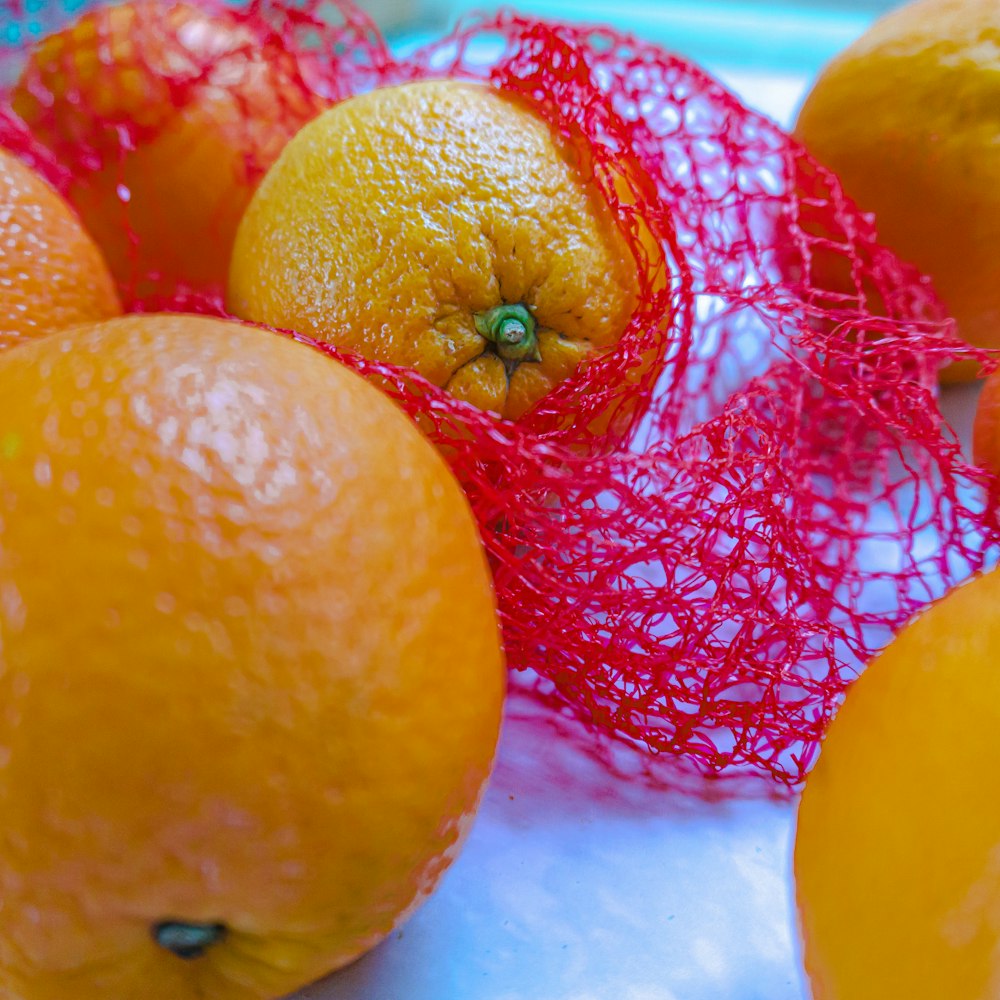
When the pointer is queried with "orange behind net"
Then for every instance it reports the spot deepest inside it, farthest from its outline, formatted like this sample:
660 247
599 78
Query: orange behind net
776 491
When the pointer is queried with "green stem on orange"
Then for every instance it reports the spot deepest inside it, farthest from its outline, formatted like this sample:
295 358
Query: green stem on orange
187 940
511 328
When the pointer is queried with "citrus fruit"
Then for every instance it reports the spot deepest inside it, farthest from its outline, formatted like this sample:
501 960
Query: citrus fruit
441 226
251 675
986 426
209 106
51 273
898 876
906 116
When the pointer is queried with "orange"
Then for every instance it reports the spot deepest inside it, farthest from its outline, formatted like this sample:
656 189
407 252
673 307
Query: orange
898 875
211 106
444 227
986 426
251 676
51 273
906 116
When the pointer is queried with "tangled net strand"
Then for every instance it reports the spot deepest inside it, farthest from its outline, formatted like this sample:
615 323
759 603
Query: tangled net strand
699 537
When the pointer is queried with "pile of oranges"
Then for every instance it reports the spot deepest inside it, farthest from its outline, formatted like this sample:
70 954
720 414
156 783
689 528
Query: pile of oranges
251 671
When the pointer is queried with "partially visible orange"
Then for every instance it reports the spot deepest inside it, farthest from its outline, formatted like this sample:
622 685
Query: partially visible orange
251 677
896 857
986 426
52 275
441 226
211 106
906 116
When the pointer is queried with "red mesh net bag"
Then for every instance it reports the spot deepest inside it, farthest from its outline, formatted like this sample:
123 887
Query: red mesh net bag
699 537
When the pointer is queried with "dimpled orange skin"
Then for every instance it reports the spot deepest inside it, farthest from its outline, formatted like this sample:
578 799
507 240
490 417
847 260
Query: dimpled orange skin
897 853
906 116
51 273
395 217
201 148
250 669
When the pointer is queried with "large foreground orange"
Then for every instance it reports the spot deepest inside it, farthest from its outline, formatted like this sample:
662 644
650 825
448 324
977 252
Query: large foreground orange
250 674
52 275
442 226
906 116
210 107
898 875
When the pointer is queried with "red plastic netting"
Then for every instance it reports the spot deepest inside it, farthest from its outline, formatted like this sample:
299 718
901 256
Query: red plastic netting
777 490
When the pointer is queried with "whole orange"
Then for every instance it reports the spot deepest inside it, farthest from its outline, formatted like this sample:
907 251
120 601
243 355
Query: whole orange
208 105
51 273
250 673
906 116
898 875
441 226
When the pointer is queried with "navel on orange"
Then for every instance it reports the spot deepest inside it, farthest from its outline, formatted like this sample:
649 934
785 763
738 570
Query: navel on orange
52 275
896 858
210 106
442 226
250 673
